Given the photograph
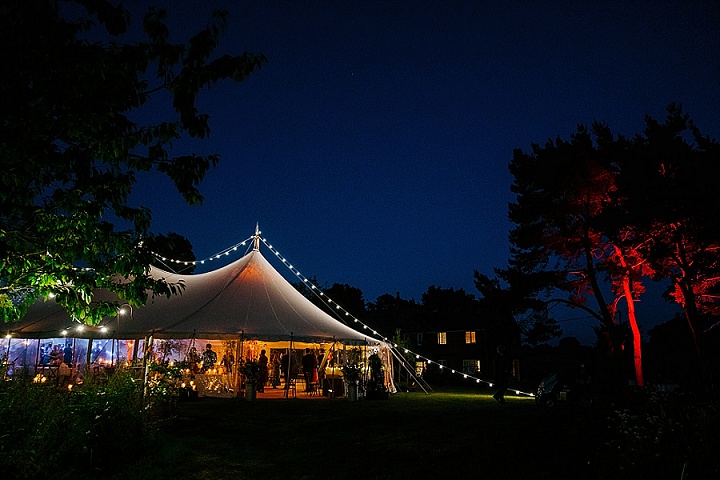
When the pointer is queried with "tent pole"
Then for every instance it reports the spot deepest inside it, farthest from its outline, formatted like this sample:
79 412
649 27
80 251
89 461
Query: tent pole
37 356
334 360
147 348
89 353
288 377
236 363
7 355
136 345
112 352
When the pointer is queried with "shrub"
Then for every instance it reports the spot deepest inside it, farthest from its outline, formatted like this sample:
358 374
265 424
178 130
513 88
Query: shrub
84 433
664 436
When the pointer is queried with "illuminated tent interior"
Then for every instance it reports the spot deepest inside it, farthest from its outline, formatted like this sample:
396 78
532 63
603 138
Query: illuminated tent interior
246 303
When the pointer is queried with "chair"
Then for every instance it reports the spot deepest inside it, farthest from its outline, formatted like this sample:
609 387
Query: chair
313 390
291 386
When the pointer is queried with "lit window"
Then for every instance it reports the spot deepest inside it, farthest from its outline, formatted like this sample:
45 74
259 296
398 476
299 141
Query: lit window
469 337
471 366
442 338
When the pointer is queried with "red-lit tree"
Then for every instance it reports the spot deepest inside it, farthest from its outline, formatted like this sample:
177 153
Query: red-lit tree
670 184
564 191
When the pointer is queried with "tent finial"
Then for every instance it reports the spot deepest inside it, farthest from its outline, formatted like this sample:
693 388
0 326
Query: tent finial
256 244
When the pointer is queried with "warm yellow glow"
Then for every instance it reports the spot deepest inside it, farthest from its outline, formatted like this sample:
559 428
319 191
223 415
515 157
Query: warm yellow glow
70 387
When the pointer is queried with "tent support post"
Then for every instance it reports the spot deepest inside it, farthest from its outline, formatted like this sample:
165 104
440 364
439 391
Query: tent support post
7 355
147 348
288 377
37 356
88 357
135 350
112 351
236 363
334 355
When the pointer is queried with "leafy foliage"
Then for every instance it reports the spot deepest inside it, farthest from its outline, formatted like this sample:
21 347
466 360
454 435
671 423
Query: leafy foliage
250 370
664 436
72 146
70 434
352 367
605 207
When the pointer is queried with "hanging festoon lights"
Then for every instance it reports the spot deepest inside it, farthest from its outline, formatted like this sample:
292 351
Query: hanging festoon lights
223 253
334 306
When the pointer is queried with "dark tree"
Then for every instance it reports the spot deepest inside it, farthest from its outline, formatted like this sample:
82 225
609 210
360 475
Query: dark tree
514 309
670 182
72 145
172 252
340 298
564 235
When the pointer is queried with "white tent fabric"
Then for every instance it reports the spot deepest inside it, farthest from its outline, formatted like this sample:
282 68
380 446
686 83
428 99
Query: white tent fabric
247 298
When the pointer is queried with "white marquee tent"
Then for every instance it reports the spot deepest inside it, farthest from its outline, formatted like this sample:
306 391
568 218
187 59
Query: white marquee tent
247 298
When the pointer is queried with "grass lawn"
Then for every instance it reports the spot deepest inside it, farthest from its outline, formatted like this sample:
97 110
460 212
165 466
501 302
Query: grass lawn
410 436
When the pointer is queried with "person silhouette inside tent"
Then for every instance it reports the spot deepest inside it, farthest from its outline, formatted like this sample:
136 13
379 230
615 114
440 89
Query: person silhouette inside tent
209 358
309 363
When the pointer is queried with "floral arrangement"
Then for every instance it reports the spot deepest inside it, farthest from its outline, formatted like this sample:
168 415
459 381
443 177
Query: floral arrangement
352 369
250 370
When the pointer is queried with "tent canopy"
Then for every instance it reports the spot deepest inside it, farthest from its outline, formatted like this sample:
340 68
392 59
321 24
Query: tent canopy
247 298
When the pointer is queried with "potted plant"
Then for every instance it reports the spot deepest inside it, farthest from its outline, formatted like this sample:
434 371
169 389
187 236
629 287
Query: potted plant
352 371
250 370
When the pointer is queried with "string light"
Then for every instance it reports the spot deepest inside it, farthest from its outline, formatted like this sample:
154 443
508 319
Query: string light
327 300
215 256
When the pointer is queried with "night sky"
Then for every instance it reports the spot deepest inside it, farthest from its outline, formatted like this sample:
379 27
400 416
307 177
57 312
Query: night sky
373 146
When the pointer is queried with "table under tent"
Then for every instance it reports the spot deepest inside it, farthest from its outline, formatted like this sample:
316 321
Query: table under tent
238 310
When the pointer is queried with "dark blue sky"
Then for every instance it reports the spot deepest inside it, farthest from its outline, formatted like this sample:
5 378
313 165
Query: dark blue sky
372 148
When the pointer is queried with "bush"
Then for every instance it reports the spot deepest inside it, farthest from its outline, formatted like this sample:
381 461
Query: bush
663 436
77 434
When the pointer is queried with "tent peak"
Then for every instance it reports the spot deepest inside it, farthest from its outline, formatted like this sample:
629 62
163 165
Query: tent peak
256 237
